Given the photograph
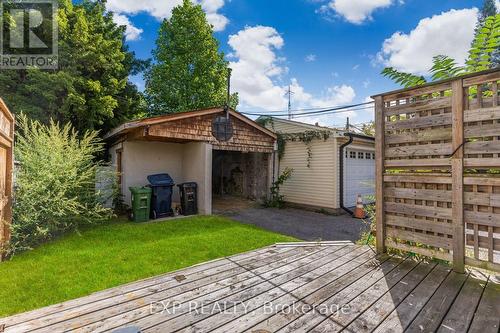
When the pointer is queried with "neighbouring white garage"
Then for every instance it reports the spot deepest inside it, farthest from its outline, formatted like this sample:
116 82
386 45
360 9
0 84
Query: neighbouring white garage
315 181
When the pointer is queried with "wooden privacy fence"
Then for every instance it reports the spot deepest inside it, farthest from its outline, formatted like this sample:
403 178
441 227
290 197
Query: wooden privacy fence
438 170
6 164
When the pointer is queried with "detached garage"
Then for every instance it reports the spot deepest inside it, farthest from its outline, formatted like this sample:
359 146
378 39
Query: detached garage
330 166
224 152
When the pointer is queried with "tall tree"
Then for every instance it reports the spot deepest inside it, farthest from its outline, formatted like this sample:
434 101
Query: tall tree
188 72
90 89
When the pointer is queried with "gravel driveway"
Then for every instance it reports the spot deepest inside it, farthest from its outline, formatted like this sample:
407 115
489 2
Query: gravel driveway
301 224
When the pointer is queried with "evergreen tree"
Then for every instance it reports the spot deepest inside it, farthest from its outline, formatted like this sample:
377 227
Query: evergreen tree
188 72
90 88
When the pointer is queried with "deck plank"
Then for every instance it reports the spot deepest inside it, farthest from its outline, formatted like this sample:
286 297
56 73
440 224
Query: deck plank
487 316
199 285
256 312
432 314
379 310
459 317
405 312
343 287
363 301
254 279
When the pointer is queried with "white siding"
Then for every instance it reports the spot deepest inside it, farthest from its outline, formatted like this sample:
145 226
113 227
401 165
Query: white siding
287 126
315 185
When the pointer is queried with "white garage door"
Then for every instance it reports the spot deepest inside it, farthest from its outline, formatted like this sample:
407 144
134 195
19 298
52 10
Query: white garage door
359 175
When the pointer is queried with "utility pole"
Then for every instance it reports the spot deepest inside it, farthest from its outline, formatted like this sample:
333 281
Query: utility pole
289 94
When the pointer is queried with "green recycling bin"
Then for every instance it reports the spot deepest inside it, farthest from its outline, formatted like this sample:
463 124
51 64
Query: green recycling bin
141 203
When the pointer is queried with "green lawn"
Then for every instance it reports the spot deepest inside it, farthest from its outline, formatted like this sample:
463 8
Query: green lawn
119 252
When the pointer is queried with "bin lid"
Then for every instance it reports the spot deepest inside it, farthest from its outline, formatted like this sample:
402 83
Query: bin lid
162 179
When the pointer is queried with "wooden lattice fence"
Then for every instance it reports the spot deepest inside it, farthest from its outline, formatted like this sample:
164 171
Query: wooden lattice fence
438 170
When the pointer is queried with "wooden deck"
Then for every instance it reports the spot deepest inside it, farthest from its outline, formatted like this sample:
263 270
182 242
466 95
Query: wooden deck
336 286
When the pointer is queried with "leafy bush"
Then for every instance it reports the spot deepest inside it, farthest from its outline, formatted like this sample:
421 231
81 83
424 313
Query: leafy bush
277 200
54 183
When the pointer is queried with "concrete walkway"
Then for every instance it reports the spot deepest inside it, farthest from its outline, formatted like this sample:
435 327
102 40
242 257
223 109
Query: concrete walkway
301 224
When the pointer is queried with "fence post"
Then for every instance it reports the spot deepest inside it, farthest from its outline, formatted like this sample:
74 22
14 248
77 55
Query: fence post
379 173
457 174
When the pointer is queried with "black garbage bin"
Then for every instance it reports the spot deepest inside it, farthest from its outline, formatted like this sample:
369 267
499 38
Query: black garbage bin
189 200
161 198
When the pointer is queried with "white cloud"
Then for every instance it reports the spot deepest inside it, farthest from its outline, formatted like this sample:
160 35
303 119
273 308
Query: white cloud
257 70
157 9
163 9
131 32
497 3
256 66
449 33
355 67
355 11
211 7
310 58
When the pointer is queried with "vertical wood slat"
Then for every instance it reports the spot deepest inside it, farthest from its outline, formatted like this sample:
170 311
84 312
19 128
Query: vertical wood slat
379 173
457 176
494 89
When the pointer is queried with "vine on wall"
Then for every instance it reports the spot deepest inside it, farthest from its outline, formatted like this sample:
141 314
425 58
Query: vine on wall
307 137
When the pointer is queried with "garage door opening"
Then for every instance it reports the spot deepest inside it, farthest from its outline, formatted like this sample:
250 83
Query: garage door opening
359 175
239 179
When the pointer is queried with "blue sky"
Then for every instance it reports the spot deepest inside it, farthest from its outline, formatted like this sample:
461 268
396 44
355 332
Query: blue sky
331 51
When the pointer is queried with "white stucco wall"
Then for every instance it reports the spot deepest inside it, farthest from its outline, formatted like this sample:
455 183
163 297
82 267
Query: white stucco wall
191 162
197 167
143 158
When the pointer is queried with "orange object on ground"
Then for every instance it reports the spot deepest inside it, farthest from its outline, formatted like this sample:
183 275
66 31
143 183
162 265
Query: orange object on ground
359 212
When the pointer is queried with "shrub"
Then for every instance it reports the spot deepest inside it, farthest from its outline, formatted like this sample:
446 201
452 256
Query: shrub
54 183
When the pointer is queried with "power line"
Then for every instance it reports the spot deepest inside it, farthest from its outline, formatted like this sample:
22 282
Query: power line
305 115
340 109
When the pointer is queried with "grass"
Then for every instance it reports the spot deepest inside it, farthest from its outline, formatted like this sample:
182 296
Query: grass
119 252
